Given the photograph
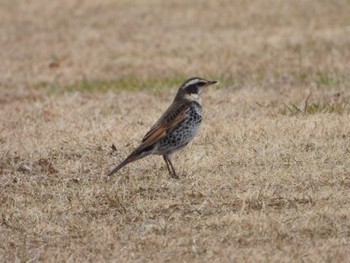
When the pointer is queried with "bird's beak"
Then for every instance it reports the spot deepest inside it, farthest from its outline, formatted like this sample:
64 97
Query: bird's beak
211 82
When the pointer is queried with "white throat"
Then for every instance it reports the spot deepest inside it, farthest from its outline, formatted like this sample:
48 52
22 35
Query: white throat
193 97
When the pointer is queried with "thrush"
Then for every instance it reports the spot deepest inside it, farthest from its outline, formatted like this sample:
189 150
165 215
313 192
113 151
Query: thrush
178 125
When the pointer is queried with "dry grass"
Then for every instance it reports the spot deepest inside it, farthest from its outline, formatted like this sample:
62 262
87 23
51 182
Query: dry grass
267 179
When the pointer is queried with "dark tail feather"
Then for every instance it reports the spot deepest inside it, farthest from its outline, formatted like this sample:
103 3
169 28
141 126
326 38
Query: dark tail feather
116 169
135 155
130 158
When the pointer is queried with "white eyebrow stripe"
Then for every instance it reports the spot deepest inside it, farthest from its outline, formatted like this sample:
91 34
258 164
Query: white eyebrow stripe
193 81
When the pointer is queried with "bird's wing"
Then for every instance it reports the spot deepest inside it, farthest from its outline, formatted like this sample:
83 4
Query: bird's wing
174 115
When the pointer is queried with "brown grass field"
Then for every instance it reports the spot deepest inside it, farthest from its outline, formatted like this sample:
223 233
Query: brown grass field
266 180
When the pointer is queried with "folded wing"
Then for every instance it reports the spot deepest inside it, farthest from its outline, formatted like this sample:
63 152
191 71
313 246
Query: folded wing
175 115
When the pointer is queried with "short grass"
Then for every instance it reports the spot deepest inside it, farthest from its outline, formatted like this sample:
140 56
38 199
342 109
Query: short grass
266 180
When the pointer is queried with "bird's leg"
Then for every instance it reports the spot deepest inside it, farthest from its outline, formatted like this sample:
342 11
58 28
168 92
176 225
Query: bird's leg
167 164
170 167
174 175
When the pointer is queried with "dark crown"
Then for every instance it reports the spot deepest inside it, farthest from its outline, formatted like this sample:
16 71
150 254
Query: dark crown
192 85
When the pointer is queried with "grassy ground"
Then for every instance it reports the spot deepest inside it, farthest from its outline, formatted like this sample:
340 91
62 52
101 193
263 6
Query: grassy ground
267 179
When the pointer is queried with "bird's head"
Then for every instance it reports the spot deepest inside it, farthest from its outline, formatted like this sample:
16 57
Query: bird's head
192 88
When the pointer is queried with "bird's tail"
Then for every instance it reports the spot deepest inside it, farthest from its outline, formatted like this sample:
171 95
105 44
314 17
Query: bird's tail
135 155
116 169
129 159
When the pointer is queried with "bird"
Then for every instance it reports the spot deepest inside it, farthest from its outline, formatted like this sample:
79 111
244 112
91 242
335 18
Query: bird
178 125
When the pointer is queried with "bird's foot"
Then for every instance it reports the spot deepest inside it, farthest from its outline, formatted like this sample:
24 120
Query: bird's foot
174 176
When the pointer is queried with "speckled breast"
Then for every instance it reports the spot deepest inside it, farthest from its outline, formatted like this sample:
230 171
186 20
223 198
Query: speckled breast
185 132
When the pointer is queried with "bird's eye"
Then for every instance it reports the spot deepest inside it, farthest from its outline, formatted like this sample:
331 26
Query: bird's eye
193 89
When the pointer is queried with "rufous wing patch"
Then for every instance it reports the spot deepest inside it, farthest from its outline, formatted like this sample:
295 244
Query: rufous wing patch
171 118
